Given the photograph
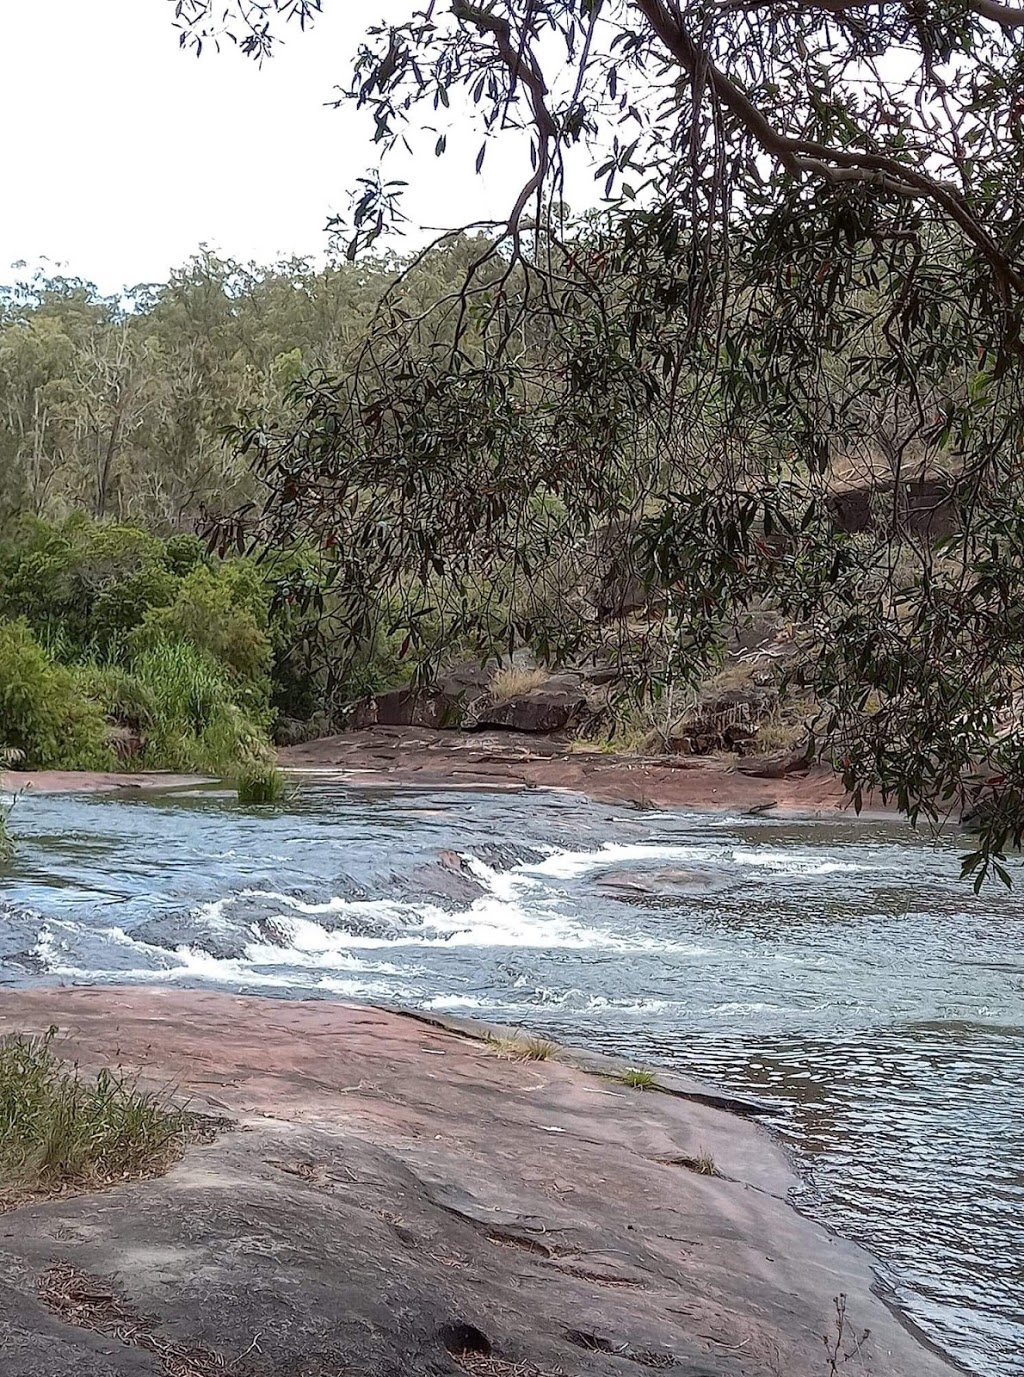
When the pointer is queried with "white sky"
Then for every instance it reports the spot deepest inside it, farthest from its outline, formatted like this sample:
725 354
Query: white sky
122 154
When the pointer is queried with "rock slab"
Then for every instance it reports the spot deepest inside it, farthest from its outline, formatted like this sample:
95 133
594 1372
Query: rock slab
395 1199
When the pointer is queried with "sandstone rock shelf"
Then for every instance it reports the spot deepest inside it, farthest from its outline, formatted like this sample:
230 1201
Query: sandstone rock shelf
396 1199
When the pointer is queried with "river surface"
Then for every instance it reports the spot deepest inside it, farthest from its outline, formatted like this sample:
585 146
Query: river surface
839 970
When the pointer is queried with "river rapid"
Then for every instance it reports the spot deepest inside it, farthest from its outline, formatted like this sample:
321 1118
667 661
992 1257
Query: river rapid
838 970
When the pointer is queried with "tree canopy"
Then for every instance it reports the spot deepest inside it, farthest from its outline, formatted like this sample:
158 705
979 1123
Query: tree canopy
804 273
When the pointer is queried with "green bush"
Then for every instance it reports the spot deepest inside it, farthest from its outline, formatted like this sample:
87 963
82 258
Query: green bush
42 714
82 585
120 628
123 698
223 614
182 553
123 605
261 784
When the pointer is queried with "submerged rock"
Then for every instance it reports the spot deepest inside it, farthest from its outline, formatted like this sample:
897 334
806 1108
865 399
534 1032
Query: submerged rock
188 930
507 855
662 884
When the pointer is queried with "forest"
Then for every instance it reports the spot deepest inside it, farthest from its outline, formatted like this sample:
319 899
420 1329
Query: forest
127 638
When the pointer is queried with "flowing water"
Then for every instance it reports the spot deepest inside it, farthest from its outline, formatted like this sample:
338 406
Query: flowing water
840 971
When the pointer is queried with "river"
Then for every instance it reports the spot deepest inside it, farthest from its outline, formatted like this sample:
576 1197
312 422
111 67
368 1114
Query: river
838 970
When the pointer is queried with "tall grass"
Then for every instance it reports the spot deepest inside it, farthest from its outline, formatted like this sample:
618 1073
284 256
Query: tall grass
59 1129
262 784
184 703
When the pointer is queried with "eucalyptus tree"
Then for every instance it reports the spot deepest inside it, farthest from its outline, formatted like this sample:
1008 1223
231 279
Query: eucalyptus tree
806 266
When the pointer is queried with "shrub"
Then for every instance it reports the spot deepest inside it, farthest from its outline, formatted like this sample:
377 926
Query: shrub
222 614
195 725
81 584
261 784
42 714
182 553
122 697
124 603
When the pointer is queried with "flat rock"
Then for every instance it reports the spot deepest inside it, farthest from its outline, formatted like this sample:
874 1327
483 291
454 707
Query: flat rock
396 1200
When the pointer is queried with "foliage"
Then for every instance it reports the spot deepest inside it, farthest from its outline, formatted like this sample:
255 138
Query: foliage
60 1129
219 614
196 723
6 839
127 631
41 713
809 267
261 784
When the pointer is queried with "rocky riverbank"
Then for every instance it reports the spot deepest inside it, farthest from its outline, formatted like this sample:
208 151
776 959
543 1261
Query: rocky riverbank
419 755
509 760
394 1198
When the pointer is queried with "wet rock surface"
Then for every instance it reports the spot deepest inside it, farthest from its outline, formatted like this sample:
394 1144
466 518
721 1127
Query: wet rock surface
395 1199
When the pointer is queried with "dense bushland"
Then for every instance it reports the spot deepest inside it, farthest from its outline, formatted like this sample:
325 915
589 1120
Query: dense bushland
123 649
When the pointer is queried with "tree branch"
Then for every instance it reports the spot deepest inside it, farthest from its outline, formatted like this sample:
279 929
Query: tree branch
522 67
834 164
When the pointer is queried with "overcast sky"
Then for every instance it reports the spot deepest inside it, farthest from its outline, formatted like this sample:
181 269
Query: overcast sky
122 154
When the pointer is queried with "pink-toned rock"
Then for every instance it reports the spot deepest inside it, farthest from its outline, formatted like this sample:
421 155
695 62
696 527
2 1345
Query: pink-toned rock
396 1200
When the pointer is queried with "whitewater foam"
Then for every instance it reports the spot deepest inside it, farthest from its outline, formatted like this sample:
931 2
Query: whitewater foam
570 865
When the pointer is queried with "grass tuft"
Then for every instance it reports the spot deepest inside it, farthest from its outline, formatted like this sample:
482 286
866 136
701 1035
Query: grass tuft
639 1077
513 1048
512 681
60 1130
703 1164
262 784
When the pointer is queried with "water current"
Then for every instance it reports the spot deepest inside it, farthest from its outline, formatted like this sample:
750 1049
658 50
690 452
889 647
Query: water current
840 971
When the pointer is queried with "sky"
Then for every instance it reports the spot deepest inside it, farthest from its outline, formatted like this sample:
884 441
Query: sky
123 154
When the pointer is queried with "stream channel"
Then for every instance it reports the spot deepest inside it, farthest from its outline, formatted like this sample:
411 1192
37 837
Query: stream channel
839 970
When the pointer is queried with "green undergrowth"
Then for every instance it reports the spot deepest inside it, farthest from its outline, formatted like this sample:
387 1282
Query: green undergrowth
121 649
262 784
61 1129
638 1078
6 836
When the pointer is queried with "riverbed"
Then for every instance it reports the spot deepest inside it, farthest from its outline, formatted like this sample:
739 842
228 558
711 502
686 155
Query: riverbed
838 970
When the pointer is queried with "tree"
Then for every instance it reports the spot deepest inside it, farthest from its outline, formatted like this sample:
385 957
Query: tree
808 260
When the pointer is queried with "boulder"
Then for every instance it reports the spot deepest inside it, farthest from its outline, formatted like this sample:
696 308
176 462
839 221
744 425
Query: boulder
442 704
410 707
923 506
662 884
727 722
556 706
296 731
